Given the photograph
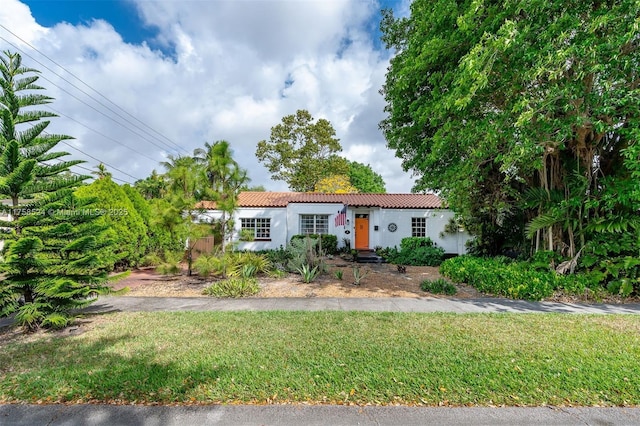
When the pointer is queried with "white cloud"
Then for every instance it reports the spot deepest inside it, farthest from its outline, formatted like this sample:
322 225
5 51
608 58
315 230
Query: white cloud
225 81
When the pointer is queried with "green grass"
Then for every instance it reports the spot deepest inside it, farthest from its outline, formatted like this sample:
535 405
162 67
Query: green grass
331 357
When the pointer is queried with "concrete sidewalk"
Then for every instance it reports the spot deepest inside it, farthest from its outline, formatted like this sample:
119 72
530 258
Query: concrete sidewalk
382 304
375 304
119 415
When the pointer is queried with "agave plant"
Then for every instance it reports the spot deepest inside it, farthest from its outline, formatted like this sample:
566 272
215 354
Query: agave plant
359 274
308 273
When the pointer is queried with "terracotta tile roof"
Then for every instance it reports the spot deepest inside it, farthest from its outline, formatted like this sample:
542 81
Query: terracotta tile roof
282 199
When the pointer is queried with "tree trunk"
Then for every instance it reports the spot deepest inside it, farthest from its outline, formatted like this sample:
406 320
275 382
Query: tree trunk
223 230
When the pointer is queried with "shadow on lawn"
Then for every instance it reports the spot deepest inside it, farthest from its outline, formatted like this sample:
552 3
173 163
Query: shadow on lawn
67 369
524 306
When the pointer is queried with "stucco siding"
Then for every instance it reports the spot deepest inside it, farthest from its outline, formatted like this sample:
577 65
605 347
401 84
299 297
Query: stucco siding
285 223
278 219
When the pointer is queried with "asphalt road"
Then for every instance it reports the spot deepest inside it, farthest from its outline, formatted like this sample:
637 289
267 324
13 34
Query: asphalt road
114 415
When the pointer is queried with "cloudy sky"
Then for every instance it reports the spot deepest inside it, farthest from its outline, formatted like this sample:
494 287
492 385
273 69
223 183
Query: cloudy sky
136 80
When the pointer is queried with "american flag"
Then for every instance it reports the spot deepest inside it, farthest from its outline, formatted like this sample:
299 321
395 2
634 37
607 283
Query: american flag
341 218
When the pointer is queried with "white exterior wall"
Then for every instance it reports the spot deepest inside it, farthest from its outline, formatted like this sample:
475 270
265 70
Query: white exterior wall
437 219
285 223
294 210
279 233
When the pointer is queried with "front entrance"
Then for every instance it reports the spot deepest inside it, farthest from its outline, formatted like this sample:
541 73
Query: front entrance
362 232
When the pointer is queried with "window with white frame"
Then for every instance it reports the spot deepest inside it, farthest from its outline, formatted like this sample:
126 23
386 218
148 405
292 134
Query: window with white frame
260 226
314 224
418 226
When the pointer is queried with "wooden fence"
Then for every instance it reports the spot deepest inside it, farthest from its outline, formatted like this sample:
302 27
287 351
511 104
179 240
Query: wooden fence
204 245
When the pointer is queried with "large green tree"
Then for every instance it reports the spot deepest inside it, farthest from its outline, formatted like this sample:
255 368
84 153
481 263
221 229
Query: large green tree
301 151
159 236
519 113
52 260
125 225
365 179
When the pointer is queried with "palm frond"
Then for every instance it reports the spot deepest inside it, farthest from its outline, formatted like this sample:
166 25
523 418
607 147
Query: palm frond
543 221
614 224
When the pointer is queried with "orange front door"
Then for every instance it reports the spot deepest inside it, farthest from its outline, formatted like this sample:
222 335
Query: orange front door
362 233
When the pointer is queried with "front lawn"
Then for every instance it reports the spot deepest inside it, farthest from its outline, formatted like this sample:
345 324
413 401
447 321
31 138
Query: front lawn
331 357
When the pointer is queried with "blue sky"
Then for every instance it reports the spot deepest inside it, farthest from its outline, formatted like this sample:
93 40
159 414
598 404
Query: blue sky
136 80
122 14
124 17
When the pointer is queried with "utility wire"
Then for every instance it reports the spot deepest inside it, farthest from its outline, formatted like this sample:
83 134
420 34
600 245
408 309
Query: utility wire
94 158
87 85
101 134
91 171
100 103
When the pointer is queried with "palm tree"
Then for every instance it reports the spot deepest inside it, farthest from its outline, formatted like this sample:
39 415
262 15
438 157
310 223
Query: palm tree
101 171
183 173
225 178
154 186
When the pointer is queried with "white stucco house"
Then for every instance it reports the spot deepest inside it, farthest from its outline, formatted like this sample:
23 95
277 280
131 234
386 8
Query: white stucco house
366 221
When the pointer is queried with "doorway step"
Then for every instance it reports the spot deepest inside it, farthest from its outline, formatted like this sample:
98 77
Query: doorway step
369 256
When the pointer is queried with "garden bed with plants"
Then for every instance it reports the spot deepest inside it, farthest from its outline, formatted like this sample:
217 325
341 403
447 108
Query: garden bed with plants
381 280
308 267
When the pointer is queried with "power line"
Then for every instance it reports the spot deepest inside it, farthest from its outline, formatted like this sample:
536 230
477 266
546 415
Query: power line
91 171
100 133
96 100
87 85
94 158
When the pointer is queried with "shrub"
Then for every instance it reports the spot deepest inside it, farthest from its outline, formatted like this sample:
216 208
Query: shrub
501 277
612 262
415 251
170 264
246 262
279 255
304 252
439 286
327 243
246 235
152 259
207 264
522 280
234 288
413 243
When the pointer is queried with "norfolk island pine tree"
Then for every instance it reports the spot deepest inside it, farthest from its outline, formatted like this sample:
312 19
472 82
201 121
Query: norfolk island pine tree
52 254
